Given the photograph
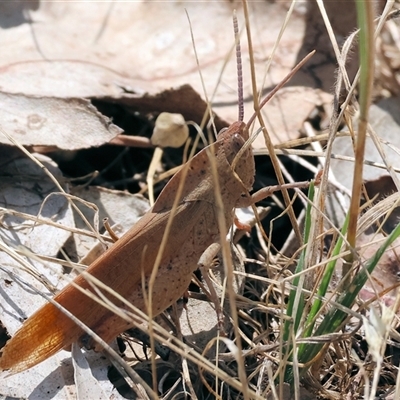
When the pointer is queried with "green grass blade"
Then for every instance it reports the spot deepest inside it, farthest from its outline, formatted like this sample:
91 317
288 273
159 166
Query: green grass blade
335 317
324 284
296 297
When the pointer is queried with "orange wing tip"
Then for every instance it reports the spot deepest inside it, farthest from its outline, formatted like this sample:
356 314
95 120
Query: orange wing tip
20 353
40 337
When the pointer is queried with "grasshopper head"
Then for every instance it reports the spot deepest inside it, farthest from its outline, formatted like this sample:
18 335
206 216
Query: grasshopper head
238 153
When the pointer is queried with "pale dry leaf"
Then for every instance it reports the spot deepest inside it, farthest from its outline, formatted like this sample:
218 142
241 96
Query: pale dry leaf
385 123
112 48
284 116
386 126
145 41
68 124
65 79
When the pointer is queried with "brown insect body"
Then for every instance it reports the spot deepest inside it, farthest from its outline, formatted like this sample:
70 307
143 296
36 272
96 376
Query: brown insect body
194 227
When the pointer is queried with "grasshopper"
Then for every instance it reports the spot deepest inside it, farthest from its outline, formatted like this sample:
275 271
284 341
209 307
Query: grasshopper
187 207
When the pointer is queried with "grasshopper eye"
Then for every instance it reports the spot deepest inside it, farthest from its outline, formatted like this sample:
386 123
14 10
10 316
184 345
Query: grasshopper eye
237 141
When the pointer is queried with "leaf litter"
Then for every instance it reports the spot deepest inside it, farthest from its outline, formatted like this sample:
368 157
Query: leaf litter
124 70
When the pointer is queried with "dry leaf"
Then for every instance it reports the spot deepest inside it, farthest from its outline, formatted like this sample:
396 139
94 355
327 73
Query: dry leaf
47 121
386 125
121 50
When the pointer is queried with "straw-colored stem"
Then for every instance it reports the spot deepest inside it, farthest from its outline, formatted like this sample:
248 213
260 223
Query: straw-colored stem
365 17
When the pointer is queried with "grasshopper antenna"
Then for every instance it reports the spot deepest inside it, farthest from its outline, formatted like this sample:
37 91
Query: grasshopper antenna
239 68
